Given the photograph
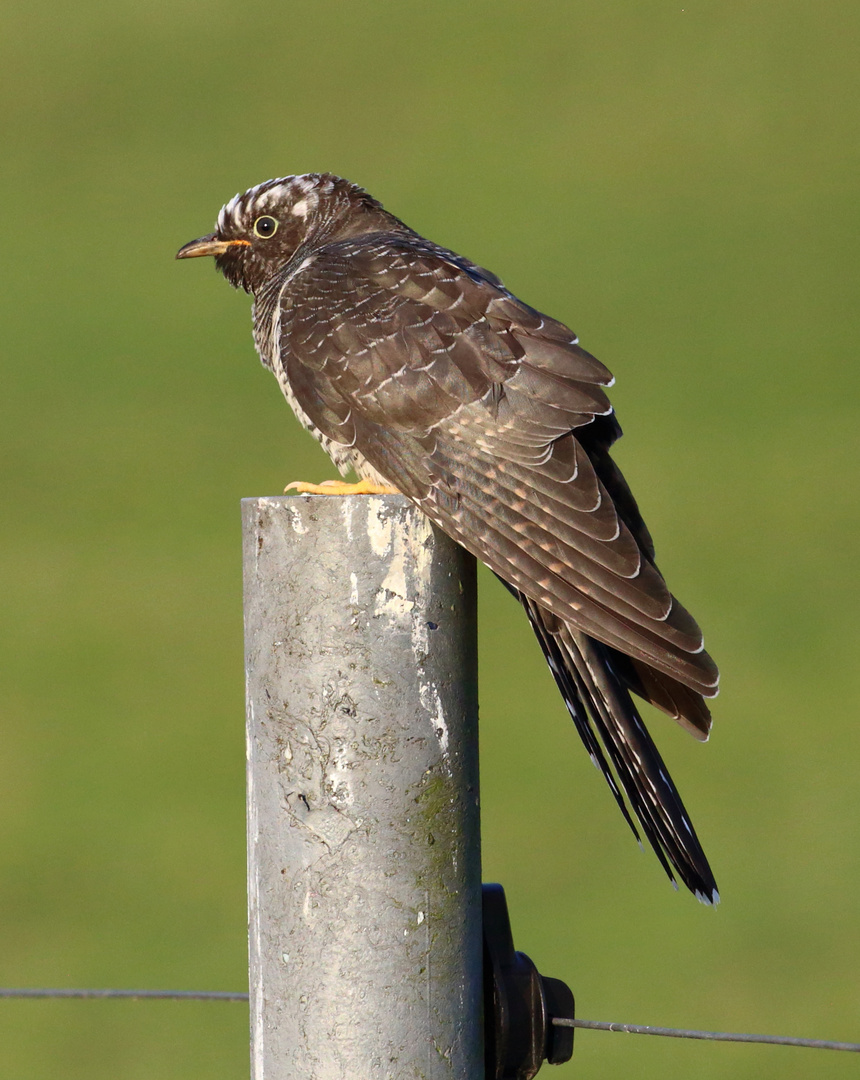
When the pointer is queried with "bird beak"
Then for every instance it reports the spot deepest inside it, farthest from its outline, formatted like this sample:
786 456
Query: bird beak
209 245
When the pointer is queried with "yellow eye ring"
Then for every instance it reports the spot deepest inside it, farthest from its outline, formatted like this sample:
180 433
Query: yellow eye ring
265 226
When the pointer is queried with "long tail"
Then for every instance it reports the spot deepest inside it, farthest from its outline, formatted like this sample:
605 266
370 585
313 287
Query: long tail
594 683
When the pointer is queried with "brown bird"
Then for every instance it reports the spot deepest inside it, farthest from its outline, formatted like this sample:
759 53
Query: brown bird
421 372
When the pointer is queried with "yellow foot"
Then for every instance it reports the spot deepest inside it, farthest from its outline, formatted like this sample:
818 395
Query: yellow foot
340 487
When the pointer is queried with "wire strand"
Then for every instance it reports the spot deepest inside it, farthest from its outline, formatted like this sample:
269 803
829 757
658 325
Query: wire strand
595 1025
714 1036
167 995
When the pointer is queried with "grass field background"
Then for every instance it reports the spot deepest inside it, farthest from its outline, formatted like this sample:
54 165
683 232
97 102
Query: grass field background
679 184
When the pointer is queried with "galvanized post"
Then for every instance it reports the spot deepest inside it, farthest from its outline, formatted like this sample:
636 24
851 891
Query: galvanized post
364 877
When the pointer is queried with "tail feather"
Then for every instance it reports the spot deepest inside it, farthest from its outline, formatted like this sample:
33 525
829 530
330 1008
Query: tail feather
595 685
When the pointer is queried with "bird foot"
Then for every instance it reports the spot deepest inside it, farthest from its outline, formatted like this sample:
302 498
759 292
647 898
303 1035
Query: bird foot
340 487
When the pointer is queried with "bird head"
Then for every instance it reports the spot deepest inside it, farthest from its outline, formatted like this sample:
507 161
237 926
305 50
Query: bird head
262 230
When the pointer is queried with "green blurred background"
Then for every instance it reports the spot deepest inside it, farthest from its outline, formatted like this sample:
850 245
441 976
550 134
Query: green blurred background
679 183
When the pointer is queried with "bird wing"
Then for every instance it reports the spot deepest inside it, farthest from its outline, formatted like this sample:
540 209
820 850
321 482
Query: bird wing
495 422
479 409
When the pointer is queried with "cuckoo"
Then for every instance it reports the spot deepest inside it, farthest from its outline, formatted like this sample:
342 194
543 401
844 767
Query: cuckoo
418 370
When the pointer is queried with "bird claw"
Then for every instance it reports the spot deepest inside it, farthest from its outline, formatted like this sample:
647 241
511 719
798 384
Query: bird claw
340 487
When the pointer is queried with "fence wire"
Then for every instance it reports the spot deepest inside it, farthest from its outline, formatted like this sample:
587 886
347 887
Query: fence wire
712 1036
594 1025
165 995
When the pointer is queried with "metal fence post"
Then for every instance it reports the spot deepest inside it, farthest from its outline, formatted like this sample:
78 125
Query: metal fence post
364 877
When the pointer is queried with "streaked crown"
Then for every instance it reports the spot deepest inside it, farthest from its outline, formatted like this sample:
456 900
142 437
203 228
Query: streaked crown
261 231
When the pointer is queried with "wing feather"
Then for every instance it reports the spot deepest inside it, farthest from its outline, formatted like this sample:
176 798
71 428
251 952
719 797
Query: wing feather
496 422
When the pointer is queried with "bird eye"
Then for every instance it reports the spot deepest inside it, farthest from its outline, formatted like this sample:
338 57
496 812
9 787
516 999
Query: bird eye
265 227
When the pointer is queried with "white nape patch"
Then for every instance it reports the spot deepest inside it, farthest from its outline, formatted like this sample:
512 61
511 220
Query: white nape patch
258 198
312 184
270 196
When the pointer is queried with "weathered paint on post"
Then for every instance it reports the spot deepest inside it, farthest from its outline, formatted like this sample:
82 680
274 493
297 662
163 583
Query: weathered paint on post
363 821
